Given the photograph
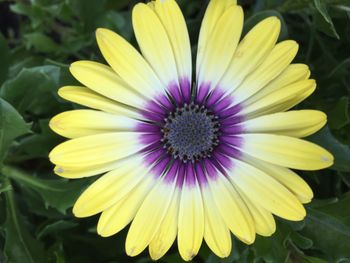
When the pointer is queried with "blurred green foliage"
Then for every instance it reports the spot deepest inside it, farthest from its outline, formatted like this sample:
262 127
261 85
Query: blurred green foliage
38 41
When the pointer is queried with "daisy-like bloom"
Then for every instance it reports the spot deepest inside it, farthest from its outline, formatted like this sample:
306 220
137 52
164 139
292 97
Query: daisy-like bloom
190 158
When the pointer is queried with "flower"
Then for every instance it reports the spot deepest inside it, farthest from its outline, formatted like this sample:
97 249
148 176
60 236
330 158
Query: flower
190 158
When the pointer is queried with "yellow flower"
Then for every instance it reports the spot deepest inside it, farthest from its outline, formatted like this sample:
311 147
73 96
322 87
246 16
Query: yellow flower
190 158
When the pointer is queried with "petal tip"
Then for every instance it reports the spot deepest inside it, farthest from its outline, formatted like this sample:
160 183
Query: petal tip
101 31
312 82
76 212
188 256
155 255
79 211
300 214
101 231
61 91
276 21
53 154
58 170
295 47
270 232
62 172
53 123
138 8
130 251
328 159
248 239
102 34
73 67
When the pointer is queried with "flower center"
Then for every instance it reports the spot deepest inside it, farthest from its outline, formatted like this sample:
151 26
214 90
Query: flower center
190 133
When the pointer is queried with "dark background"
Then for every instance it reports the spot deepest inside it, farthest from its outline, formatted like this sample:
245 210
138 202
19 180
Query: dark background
38 41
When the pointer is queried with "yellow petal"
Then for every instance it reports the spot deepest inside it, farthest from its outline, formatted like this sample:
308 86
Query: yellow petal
167 232
286 151
149 217
265 191
254 47
285 176
215 10
79 123
118 216
233 210
91 99
191 221
175 26
220 46
279 58
292 123
265 224
154 43
110 188
216 233
294 101
95 149
86 170
278 99
103 80
292 74
128 63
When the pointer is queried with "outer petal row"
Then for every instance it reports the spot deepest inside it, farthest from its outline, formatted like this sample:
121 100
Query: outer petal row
79 123
279 58
286 151
128 63
95 149
91 99
103 80
154 43
110 188
251 51
267 192
215 10
149 217
175 26
220 46
291 123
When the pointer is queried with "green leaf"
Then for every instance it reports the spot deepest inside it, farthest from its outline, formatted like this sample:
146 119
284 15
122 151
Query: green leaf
4 187
5 59
60 193
36 205
41 42
340 209
273 249
87 11
33 12
341 152
292 5
20 245
12 125
313 260
59 255
329 229
33 90
117 5
117 22
300 241
323 21
55 227
36 145
339 116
